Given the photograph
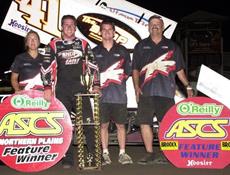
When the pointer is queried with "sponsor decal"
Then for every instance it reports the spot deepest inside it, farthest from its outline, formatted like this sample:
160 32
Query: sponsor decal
39 14
15 24
195 134
129 15
89 25
134 13
225 145
34 133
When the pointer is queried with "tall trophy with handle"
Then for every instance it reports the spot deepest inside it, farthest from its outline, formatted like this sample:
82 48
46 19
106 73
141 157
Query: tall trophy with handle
87 161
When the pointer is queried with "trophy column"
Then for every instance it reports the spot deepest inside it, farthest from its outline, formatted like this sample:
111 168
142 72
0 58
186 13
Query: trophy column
88 161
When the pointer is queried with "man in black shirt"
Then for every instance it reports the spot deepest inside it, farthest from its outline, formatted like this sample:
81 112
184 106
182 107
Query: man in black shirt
156 62
114 65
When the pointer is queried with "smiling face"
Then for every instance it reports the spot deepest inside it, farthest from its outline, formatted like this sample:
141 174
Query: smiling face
156 27
68 29
107 32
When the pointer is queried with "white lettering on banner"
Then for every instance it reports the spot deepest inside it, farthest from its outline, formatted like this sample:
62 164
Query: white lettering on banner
25 141
31 141
192 163
50 140
11 151
41 14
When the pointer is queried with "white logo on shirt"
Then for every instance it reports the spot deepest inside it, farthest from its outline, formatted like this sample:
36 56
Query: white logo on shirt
161 65
113 74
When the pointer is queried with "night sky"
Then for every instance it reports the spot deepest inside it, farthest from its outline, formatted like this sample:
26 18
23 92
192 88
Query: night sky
173 9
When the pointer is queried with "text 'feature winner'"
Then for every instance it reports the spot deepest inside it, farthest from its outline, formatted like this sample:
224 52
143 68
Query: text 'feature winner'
34 133
195 134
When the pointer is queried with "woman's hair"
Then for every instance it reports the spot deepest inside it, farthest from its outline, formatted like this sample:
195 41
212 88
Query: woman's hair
27 35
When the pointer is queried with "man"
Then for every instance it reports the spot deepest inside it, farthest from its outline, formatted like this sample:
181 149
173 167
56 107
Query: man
156 62
66 57
114 65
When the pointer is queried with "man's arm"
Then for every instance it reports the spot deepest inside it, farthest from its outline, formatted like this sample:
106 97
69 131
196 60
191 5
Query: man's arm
135 77
48 71
128 64
182 77
14 81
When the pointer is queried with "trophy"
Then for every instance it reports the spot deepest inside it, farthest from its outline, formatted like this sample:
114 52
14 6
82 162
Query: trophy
88 161
86 77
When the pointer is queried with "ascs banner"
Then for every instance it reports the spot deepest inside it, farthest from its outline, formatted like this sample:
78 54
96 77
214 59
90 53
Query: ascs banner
34 133
195 133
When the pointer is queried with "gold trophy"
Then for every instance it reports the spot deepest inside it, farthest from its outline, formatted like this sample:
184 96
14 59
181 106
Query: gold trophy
88 161
87 77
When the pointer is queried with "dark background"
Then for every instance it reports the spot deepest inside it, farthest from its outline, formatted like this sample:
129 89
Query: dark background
12 44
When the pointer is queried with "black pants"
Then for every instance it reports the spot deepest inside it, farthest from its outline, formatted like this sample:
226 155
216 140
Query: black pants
69 101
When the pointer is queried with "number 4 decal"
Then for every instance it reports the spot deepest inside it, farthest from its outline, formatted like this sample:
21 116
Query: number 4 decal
41 14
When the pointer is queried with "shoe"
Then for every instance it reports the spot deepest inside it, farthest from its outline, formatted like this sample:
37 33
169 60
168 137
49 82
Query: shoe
161 159
125 159
147 159
67 166
106 159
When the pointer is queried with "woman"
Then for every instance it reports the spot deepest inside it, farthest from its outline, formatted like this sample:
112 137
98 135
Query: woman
26 66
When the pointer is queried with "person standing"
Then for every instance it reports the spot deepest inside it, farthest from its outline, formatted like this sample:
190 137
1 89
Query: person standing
26 66
65 57
114 65
156 62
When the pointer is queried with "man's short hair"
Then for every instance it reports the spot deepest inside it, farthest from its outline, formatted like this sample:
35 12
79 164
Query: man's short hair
156 17
69 17
108 22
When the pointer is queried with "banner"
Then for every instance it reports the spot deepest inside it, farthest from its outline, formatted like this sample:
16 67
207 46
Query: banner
195 133
214 85
44 17
131 12
34 133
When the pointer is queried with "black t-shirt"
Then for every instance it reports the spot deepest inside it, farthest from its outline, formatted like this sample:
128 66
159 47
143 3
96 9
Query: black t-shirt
114 67
157 64
28 69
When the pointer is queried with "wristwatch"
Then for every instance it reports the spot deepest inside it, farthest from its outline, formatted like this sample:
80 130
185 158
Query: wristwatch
188 87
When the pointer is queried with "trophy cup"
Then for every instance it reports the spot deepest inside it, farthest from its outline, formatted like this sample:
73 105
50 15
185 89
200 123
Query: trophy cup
87 78
87 162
